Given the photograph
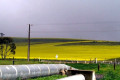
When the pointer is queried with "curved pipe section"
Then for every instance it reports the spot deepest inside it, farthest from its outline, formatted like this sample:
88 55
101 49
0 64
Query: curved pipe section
11 72
74 77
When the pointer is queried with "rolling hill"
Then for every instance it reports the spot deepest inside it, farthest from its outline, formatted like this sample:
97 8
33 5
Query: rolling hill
72 49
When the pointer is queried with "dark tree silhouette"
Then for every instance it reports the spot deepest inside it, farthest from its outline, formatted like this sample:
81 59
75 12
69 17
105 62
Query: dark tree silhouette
7 47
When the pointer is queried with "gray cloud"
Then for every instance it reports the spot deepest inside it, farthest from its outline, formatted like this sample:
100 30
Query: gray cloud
86 19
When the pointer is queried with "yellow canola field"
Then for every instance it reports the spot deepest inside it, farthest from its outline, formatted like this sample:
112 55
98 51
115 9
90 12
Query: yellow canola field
70 52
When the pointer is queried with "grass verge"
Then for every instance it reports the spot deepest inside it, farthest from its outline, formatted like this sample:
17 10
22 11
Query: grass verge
53 77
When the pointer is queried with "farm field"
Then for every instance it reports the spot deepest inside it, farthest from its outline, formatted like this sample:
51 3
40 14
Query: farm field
68 49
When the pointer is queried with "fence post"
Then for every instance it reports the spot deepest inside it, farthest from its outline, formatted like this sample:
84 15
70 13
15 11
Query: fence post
47 61
39 59
77 61
96 60
103 61
34 59
72 61
85 62
115 60
13 61
90 61
98 67
114 65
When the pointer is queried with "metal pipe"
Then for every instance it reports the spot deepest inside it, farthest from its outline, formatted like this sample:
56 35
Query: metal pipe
12 72
74 77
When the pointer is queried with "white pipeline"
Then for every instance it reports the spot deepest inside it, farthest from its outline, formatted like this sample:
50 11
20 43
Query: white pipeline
12 72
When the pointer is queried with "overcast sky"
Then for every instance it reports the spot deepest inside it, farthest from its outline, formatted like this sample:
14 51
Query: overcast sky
84 19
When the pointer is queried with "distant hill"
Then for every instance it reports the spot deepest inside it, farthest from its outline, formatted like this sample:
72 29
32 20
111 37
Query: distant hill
23 41
46 40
